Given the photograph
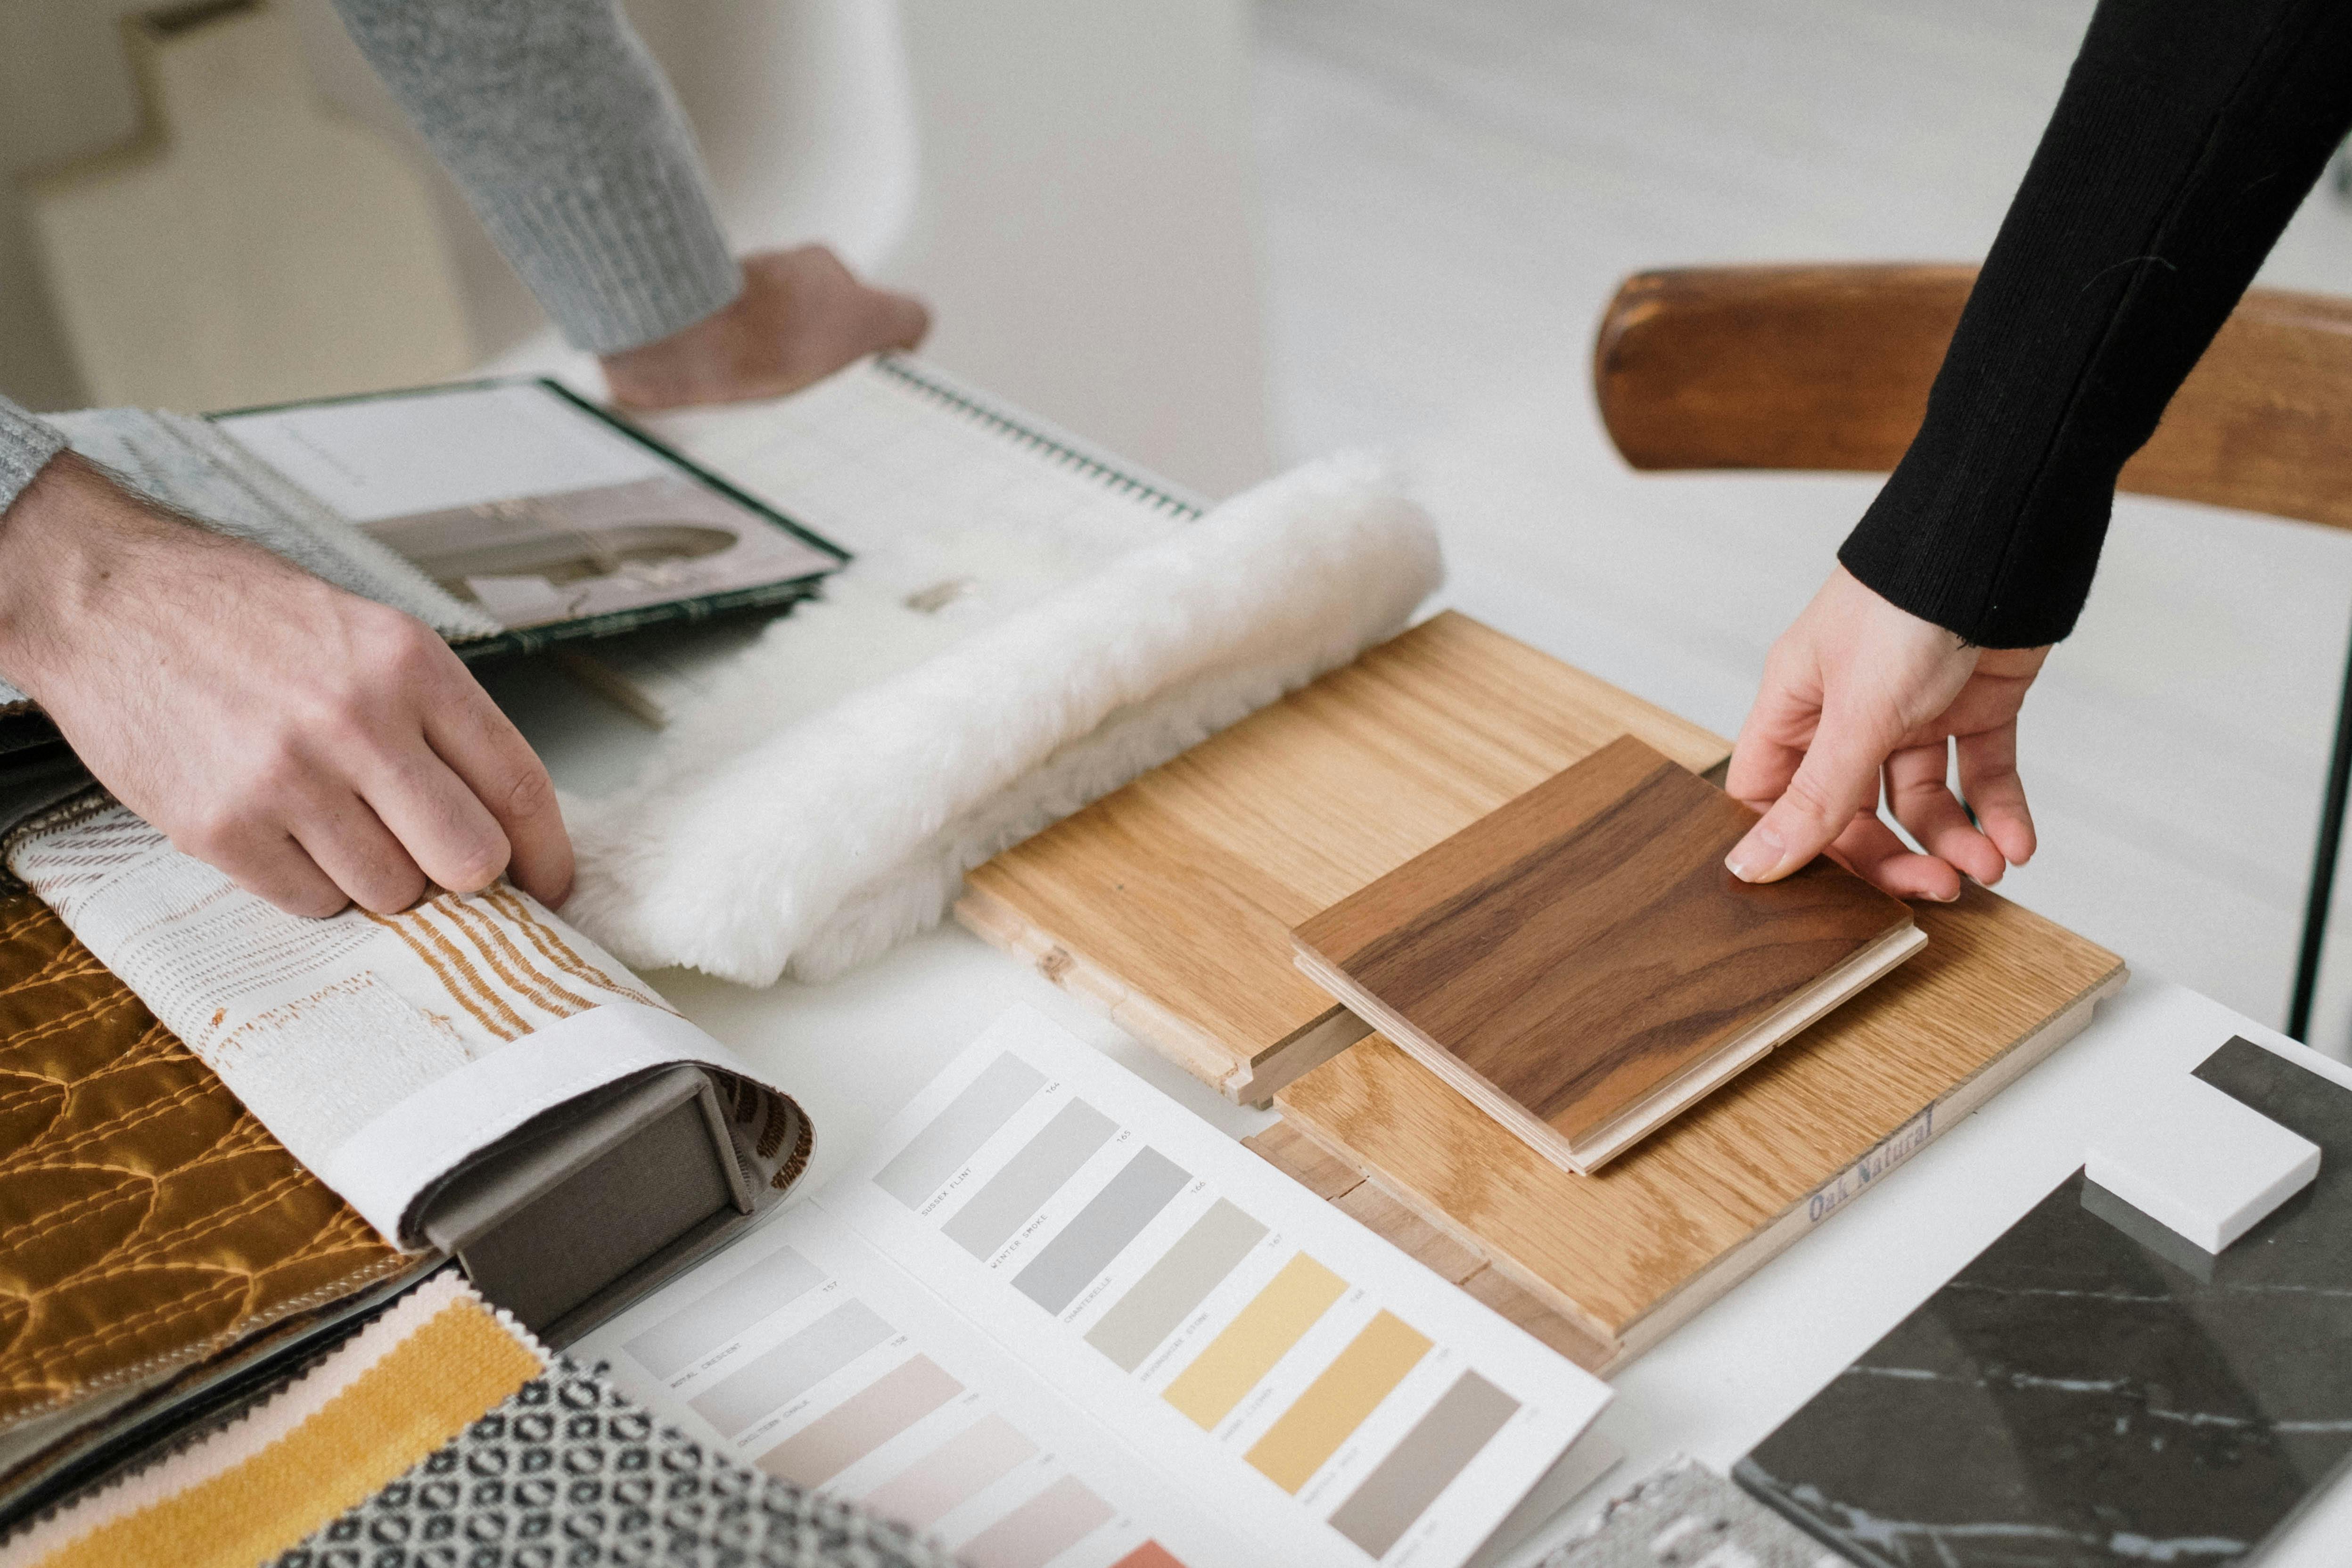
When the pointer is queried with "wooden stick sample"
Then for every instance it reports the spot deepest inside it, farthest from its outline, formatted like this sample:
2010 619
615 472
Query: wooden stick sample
1169 902
1630 1251
1581 966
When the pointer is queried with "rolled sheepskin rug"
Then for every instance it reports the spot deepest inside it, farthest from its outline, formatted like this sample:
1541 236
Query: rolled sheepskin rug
812 848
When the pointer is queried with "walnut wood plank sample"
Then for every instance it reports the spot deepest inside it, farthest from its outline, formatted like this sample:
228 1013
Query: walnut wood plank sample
1634 1249
1581 966
1169 904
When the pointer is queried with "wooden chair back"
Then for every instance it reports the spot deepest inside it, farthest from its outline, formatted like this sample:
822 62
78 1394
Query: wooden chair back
1828 368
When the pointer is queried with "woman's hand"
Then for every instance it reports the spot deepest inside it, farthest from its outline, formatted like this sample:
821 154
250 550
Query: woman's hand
1855 690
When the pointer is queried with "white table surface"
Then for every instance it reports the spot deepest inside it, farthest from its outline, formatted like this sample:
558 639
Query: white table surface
855 1050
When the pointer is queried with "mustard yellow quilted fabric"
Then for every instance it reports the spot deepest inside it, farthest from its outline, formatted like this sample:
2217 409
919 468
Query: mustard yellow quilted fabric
146 1219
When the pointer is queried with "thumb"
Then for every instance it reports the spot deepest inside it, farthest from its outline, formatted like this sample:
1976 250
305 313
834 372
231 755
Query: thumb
1837 780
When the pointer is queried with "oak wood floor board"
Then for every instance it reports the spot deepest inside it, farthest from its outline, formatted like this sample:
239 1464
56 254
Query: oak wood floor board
1170 901
1298 1156
1580 963
1631 1250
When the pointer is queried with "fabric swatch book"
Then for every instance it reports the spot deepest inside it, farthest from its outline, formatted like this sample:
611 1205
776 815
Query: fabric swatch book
1053 1318
231 1126
1579 964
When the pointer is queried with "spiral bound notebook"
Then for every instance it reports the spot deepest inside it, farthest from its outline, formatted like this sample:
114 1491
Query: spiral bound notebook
945 495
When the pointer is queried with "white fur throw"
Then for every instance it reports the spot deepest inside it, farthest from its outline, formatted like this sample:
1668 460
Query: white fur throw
749 847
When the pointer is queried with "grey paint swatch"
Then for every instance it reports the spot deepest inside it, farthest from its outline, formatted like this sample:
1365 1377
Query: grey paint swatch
1170 1289
718 1315
1384 1505
1030 1176
776 1377
955 1135
1112 1220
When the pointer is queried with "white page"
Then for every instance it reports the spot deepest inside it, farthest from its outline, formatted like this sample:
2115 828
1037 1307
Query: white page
1288 1444
802 1352
376 458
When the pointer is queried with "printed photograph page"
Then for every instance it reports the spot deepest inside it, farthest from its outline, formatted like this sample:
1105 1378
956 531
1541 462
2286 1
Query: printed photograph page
1320 1394
515 499
803 1353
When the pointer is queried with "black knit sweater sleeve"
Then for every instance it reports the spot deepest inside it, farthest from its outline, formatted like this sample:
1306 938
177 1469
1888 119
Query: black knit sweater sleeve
2189 132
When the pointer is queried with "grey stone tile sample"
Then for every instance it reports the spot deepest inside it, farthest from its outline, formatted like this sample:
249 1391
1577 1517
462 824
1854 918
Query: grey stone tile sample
2075 1396
1686 1516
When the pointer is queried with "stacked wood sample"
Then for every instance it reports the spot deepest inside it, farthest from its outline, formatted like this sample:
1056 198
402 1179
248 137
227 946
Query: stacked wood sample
1171 902
1581 966
1629 1253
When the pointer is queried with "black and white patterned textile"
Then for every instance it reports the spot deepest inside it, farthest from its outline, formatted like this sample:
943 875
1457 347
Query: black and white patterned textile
569 1472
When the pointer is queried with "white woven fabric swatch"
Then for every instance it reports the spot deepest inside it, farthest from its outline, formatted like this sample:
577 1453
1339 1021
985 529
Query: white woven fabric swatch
370 1045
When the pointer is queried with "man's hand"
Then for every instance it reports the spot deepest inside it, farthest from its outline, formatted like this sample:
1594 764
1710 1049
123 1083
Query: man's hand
319 749
800 317
1856 689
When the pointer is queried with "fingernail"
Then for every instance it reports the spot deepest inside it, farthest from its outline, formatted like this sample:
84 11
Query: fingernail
1757 857
1952 897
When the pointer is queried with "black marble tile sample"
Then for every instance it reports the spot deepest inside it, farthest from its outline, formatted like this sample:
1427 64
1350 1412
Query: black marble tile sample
2076 1396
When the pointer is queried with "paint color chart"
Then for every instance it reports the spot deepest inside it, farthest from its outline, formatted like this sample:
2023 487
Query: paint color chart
808 1355
1056 1321
1355 1408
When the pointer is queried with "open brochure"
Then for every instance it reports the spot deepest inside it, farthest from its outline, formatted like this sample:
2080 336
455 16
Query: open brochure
1057 1319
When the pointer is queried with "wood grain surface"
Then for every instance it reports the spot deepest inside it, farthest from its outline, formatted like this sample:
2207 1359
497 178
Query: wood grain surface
1169 903
1635 1248
1582 946
1829 366
1344 1188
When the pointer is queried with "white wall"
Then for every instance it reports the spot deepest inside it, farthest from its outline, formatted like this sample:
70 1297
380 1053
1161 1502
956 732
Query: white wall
1070 184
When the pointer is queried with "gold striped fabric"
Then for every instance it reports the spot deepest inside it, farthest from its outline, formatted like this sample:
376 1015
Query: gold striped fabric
410 1381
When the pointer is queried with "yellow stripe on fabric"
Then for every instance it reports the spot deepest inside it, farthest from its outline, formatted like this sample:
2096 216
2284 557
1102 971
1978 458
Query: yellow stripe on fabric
1256 1338
425 1390
1336 1403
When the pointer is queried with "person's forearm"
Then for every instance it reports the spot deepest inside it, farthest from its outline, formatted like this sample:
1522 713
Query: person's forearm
2186 136
570 145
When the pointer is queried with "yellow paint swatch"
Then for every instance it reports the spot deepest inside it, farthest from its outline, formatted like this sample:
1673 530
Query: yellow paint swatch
1336 1403
1209 1388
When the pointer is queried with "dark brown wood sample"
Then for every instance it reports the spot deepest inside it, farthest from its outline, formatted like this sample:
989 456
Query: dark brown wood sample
1580 962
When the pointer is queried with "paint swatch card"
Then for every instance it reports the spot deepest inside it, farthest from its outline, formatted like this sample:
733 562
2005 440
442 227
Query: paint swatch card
1192 1357
803 1352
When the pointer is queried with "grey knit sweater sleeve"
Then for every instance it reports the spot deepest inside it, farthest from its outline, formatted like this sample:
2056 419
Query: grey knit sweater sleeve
567 141
25 444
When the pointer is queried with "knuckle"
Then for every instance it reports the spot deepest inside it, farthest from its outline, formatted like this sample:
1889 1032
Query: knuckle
313 906
216 834
277 771
1807 796
394 891
531 795
475 868
404 647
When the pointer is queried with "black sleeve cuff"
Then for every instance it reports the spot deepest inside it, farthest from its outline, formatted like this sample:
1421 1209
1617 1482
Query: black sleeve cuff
2186 138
